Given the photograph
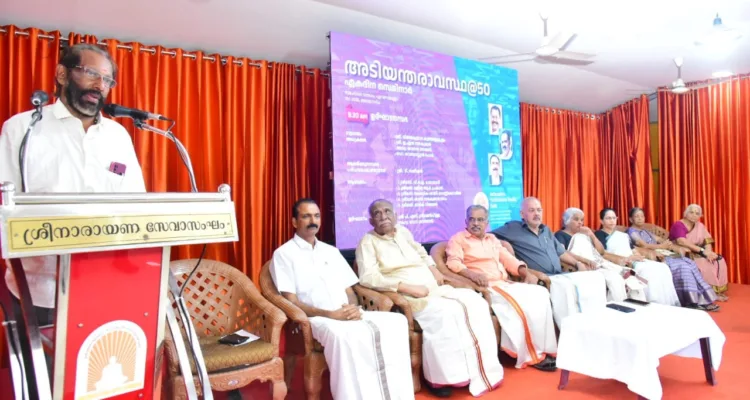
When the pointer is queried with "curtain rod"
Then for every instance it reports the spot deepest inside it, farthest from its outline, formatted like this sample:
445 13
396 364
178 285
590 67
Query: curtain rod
165 52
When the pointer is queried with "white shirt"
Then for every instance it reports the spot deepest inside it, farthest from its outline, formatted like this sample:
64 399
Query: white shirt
318 275
63 158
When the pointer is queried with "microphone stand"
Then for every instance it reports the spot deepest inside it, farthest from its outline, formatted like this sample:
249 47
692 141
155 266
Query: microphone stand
22 160
140 124
182 308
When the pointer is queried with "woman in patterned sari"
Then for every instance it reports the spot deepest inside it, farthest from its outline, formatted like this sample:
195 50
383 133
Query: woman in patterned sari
690 233
691 288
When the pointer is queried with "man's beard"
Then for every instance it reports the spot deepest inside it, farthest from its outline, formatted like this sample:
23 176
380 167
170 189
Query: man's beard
75 94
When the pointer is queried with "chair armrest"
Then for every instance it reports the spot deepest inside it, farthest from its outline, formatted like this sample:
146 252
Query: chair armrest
460 282
542 277
568 268
401 304
372 300
297 316
269 323
539 275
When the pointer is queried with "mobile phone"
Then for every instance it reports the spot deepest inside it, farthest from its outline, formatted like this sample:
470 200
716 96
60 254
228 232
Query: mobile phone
620 308
233 339
639 302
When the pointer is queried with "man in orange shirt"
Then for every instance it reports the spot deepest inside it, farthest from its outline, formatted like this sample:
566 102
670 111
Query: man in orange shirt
523 309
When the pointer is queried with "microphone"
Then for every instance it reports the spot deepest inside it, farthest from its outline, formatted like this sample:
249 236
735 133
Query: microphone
117 110
39 98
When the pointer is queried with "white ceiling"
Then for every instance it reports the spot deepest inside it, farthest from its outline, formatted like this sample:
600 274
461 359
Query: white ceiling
634 40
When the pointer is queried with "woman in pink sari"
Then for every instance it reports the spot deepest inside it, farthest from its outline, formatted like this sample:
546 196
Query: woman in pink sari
690 233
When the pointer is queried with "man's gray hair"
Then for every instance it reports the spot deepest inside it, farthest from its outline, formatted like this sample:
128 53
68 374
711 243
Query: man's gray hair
372 205
691 207
473 207
569 214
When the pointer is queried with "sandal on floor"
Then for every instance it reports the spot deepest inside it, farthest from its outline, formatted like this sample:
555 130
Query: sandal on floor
546 365
710 308
722 297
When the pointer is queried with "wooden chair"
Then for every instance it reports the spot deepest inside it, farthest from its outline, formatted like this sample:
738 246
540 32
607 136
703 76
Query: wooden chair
439 255
299 338
222 300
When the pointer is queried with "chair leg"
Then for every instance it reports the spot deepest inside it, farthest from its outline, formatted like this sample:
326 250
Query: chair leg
290 365
278 390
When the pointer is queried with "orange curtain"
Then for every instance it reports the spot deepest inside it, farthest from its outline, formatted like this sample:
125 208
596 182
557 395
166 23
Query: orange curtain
573 159
704 157
626 158
561 162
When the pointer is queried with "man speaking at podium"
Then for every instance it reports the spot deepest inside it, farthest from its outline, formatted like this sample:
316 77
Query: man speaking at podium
73 149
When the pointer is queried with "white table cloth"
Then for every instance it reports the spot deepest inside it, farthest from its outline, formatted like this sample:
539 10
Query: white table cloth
609 344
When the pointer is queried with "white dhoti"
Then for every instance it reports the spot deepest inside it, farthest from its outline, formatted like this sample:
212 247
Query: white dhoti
525 314
459 346
367 359
660 283
618 288
576 292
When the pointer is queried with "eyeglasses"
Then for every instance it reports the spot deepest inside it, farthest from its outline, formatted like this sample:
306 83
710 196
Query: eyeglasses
480 219
93 75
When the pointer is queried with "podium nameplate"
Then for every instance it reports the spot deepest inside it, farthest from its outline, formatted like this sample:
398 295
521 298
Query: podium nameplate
67 233
47 229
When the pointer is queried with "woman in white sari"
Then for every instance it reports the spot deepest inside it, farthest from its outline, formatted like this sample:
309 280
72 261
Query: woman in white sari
661 285
582 244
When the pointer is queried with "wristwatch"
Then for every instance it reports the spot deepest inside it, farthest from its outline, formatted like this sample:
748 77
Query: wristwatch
702 251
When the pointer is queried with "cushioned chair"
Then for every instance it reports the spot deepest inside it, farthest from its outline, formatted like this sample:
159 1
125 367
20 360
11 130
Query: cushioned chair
299 339
222 300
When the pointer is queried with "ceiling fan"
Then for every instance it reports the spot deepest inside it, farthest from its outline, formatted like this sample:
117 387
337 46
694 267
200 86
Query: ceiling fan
678 86
551 50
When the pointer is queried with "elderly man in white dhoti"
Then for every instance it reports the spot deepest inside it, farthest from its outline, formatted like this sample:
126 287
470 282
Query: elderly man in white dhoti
580 241
367 352
459 345
534 244
523 309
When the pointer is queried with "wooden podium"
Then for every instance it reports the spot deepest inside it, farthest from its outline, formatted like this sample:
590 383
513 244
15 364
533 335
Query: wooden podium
112 304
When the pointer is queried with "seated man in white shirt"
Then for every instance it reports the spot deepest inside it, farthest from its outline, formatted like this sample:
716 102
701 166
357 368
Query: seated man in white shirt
367 352
459 343
71 150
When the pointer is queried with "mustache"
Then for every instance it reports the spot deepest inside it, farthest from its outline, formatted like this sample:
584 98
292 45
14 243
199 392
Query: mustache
312 226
